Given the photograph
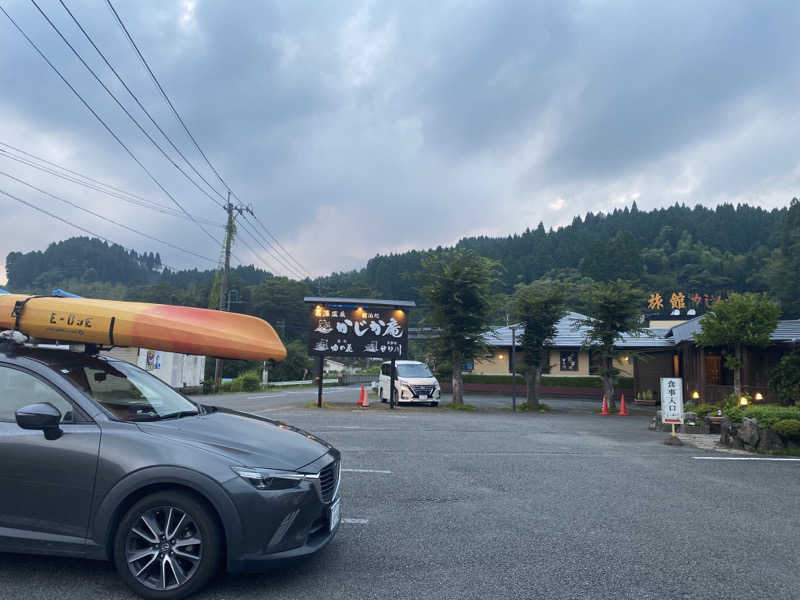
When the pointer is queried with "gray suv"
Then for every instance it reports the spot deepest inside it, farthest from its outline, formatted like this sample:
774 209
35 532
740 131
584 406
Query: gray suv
99 459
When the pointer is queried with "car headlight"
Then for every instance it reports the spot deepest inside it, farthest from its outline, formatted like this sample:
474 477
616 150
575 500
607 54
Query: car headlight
271 479
405 392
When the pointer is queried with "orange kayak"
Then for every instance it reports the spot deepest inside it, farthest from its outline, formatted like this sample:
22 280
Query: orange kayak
137 324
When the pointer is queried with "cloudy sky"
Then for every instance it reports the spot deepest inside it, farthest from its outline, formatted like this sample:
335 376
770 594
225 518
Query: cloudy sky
357 128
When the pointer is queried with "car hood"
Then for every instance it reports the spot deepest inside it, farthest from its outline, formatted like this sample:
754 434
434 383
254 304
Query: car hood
246 439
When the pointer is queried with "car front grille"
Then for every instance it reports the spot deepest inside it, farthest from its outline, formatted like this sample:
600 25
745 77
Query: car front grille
329 481
422 390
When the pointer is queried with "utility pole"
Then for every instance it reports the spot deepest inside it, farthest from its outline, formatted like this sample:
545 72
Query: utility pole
513 367
226 270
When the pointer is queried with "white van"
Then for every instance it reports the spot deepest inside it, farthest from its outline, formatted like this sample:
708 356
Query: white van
414 383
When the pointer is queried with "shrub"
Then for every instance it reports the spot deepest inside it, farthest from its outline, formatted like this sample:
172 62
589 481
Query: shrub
789 428
250 382
784 379
767 414
549 380
236 385
703 409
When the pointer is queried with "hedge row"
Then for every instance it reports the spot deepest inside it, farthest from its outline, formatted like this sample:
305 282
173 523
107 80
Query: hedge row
767 414
550 381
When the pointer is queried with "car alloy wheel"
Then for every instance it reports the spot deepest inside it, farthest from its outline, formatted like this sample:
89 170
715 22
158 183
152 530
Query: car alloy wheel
163 548
168 545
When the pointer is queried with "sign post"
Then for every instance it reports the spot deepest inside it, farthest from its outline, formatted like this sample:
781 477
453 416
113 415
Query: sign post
358 327
392 390
320 374
672 406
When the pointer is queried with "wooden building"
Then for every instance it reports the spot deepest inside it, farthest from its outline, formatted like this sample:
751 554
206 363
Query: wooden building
703 369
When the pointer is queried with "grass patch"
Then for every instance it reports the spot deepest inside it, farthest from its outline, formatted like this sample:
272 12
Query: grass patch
611 411
324 405
541 407
467 407
785 452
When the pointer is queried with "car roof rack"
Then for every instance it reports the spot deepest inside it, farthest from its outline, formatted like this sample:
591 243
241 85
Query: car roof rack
16 339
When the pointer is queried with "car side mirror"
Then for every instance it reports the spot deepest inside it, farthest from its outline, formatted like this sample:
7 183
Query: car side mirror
42 416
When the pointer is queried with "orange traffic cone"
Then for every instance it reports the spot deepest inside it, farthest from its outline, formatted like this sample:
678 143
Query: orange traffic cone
605 406
362 399
622 411
365 401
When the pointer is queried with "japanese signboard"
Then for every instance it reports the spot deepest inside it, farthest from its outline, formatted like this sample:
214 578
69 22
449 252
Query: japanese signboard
678 304
672 400
346 330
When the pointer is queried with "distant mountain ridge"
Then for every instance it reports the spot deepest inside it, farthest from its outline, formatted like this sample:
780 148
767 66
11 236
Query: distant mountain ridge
727 248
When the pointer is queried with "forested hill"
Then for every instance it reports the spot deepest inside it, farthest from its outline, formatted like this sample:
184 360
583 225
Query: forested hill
729 248
741 248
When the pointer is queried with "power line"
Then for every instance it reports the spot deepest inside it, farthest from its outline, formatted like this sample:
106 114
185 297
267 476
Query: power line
264 227
136 99
286 266
268 263
83 229
76 173
105 125
270 268
272 251
164 94
104 218
122 106
166 97
112 192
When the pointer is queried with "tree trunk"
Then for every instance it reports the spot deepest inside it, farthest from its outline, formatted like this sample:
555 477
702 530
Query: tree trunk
458 381
737 373
533 380
608 381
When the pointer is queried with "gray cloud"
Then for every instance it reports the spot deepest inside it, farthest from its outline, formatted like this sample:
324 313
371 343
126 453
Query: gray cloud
366 127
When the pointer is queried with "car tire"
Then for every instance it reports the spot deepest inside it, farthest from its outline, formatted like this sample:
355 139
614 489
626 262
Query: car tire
434 404
171 568
384 400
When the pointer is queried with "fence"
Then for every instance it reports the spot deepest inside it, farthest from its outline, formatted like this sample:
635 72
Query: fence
350 379
303 382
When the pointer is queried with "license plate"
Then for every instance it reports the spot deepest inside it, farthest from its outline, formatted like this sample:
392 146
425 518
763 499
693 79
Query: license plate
336 514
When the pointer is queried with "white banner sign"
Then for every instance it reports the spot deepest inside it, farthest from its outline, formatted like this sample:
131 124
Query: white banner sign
672 400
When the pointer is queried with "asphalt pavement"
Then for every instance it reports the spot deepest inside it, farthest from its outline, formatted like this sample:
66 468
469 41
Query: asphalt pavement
449 504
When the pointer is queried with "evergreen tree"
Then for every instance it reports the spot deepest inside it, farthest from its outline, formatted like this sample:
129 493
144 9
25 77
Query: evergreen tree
458 288
537 307
613 309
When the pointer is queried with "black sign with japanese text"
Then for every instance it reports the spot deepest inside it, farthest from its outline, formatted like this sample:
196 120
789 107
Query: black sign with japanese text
359 331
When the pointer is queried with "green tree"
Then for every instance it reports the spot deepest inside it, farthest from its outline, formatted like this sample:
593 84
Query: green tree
620 257
783 270
740 321
458 288
293 368
784 379
613 309
537 307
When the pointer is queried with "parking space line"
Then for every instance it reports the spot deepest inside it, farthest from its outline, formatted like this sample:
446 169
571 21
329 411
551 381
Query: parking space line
355 521
383 471
741 458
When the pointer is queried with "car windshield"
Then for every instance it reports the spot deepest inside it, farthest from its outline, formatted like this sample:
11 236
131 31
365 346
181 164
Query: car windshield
125 391
413 370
